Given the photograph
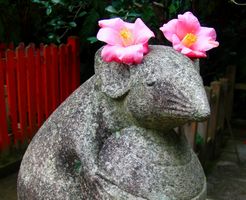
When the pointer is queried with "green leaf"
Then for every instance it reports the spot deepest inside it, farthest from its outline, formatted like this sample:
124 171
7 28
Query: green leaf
53 22
45 3
48 10
36 1
134 14
60 22
72 24
172 9
199 139
92 39
56 1
111 9
70 8
81 14
51 36
90 22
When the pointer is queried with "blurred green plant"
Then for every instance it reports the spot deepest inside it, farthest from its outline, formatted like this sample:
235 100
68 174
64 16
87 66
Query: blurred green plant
66 17
153 13
63 17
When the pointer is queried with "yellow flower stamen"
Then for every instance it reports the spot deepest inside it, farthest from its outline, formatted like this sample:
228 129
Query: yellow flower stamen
126 36
189 39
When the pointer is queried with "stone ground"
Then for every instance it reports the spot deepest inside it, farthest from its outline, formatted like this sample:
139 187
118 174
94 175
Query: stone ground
226 179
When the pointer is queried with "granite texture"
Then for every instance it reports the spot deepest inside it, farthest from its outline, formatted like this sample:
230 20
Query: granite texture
113 137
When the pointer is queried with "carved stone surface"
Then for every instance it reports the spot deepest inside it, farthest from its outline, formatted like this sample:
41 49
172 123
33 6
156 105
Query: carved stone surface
113 137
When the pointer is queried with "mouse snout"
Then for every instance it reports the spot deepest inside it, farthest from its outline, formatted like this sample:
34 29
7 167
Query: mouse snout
200 104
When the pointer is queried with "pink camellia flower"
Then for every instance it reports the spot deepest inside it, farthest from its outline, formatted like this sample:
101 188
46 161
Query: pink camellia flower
126 42
189 37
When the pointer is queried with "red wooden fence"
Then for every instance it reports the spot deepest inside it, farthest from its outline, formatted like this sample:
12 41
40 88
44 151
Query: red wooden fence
33 82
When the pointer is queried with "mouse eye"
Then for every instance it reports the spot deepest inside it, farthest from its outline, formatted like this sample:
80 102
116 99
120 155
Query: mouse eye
150 83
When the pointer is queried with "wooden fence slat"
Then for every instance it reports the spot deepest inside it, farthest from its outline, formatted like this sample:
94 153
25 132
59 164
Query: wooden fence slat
31 92
4 138
75 62
218 139
2 50
47 80
61 54
22 90
213 121
202 130
69 69
54 74
63 81
11 46
223 102
39 90
12 92
190 130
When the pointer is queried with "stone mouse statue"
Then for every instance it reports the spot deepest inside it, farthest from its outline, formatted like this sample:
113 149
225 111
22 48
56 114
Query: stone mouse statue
113 137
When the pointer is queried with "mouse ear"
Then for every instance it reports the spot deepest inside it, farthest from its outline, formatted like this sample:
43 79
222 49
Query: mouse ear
114 77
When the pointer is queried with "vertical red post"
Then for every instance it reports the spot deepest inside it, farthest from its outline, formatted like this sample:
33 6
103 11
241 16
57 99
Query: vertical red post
75 61
12 92
39 89
2 49
69 70
63 69
31 86
4 138
2 55
54 74
22 89
47 80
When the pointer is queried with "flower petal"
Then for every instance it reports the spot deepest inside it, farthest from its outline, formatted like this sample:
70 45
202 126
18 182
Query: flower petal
187 23
169 29
204 44
126 42
141 32
128 55
175 39
207 32
115 23
188 37
131 54
189 52
110 36
196 54
145 48
109 53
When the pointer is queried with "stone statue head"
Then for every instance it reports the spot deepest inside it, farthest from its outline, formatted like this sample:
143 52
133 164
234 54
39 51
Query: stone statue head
162 92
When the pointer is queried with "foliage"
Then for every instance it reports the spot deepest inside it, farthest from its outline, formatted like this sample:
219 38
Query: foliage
146 9
153 13
65 17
